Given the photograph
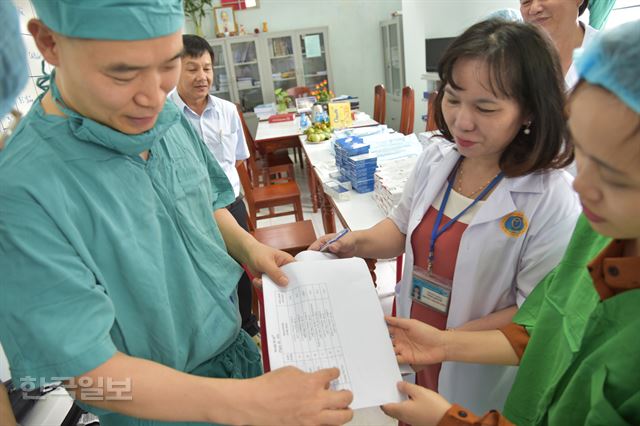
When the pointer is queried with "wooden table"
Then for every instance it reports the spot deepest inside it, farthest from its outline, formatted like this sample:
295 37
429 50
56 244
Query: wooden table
270 135
274 136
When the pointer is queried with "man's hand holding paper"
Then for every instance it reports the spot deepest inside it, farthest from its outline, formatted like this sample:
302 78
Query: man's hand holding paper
330 316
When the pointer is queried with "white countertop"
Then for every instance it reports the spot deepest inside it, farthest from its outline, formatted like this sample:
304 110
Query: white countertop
267 131
283 129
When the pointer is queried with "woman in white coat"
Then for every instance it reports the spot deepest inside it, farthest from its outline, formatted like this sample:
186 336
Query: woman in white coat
488 210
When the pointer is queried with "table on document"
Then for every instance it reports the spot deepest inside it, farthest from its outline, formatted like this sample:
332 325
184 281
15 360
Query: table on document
311 331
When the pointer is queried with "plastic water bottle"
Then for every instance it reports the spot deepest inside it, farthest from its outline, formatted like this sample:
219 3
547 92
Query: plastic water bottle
316 113
304 121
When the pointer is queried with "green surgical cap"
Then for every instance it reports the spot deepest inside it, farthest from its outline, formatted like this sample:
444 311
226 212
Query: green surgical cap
111 19
612 60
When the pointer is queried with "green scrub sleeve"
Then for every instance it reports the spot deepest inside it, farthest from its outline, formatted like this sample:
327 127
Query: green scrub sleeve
55 317
529 311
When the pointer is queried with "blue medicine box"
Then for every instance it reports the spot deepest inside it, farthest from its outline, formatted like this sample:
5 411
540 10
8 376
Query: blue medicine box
364 185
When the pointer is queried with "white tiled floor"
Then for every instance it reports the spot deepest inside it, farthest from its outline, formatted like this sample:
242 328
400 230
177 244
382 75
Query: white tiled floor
385 273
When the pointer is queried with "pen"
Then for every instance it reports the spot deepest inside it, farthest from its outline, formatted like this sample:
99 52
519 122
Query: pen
334 239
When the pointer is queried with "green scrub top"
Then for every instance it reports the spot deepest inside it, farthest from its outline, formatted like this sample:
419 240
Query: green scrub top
581 366
101 251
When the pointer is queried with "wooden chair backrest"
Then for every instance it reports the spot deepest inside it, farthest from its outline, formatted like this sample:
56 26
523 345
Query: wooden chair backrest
251 145
245 181
431 116
406 115
247 189
379 103
299 92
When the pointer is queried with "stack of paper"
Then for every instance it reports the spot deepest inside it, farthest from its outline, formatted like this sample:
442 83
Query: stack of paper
329 316
244 82
390 180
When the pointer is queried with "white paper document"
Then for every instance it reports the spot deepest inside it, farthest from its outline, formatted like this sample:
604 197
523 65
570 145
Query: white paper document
329 316
312 46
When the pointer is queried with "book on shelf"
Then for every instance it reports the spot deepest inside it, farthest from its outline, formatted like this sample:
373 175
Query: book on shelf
280 47
244 52
244 82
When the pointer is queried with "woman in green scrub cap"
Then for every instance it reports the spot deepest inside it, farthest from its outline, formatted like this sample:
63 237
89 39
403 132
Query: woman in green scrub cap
119 261
576 336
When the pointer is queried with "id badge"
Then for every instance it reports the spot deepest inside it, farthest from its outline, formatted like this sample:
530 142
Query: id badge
431 290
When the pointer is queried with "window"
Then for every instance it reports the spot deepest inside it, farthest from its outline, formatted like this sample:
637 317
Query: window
623 11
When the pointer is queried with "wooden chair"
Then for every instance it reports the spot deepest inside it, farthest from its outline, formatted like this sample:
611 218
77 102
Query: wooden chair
290 237
269 197
271 168
431 117
379 103
299 92
406 115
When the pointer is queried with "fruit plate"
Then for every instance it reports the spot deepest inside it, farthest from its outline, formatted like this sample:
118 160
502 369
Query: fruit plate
315 142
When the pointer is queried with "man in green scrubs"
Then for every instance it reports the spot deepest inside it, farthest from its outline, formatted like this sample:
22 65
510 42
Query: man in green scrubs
116 252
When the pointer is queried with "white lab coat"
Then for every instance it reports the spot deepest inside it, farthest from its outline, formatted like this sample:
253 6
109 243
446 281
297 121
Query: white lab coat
493 270
572 77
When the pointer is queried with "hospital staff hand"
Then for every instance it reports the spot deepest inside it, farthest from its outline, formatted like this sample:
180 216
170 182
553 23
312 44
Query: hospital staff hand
344 247
416 343
263 259
423 408
289 396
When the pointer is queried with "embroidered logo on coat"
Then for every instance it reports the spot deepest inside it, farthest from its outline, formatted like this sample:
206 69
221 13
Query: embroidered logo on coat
514 224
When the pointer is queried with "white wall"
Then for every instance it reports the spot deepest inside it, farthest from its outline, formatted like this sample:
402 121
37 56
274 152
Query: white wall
437 18
354 36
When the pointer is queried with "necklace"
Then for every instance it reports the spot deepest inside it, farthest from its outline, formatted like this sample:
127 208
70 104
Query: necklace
459 182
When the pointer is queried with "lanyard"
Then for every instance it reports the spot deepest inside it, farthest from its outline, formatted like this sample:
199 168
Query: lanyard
435 233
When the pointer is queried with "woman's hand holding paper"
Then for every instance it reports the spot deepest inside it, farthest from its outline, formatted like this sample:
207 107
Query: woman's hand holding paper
416 343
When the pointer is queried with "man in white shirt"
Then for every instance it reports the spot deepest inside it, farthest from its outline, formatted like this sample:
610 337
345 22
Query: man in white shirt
218 124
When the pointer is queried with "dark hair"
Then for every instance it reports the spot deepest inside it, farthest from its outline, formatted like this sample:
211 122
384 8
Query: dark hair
195 46
583 7
523 66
